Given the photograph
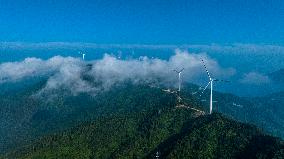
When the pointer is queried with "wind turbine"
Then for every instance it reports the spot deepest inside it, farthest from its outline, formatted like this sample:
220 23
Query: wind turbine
83 55
179 76
157 155
211 80
179 83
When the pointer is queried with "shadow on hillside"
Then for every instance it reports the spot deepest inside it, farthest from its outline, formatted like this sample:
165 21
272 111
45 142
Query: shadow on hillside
169 144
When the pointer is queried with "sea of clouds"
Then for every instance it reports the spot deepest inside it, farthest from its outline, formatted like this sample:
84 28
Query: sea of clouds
68 72
246 66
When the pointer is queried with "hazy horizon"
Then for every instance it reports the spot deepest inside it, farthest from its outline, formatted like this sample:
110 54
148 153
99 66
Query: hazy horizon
251 79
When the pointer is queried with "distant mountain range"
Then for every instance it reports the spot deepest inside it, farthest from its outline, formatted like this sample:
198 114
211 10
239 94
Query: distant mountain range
137 121
277 76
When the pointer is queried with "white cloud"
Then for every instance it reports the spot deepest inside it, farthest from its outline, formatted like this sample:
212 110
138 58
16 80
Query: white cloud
255 78
229 48
76 45
114 70
239 48
68 72
13 71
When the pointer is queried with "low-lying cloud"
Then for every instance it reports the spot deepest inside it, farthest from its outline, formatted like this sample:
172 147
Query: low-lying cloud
238 48
255 78
32 67
70 73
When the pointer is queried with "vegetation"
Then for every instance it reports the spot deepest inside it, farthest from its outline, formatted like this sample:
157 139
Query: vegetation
130 121
174 133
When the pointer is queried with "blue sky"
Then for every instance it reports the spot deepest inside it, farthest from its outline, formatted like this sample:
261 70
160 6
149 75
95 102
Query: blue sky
143 22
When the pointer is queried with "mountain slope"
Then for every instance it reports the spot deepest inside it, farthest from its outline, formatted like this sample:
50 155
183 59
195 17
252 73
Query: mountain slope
224 138
25 118
174 133
266 112
131 120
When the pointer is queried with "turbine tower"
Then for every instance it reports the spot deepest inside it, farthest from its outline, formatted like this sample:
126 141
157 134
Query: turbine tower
211 80
179 83
179 77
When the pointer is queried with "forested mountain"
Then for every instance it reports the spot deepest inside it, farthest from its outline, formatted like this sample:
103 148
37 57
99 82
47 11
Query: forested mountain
173 133
266 112
135 120
25 117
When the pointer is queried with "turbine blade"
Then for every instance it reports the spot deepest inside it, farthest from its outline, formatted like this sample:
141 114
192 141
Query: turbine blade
179 70
176 71
218 80
205 87
208 74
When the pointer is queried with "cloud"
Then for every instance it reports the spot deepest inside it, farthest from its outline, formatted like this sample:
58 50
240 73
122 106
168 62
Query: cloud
31 67
69 76
114 70
255 78
239 48
71 73
227 48
76 45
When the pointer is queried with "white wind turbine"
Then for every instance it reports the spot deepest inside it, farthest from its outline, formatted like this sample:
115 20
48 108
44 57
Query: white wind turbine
83 55
179 78
157 155
211 80
179 82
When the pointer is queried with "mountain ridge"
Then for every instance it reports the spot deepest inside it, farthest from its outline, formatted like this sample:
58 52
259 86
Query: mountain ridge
277 76
145 101
134 136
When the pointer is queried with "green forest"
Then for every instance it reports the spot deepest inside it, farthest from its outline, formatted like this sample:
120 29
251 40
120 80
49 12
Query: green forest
133 121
